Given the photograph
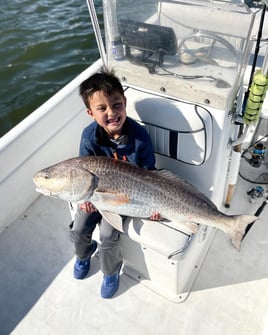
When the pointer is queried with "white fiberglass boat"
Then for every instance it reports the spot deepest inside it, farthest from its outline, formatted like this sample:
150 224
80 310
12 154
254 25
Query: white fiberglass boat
195 75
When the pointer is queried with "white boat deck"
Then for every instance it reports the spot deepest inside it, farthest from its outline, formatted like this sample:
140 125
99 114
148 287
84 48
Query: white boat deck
38 294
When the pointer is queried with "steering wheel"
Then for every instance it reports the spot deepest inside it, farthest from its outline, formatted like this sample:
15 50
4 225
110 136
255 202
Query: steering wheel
189 50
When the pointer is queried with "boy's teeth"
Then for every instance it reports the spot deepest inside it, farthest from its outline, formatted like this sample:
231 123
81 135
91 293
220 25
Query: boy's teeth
113 120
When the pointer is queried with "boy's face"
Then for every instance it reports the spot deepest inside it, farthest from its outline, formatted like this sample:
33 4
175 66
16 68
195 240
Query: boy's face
108 111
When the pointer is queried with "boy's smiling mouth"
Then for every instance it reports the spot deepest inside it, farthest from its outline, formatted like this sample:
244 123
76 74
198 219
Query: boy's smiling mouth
114 120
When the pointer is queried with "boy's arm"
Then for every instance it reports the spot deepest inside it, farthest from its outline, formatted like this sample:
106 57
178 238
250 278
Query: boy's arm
88 141
85 148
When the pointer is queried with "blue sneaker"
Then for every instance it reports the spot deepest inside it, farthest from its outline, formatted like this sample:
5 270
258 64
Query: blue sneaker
110 285
81 267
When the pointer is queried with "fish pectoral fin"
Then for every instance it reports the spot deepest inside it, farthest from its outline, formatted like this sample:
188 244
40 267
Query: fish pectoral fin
111 198
113 219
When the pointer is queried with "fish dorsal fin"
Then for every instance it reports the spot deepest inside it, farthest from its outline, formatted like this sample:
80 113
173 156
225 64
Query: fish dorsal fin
113 219
166 174
173 178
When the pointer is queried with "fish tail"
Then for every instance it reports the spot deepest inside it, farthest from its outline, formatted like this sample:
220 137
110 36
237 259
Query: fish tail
241 223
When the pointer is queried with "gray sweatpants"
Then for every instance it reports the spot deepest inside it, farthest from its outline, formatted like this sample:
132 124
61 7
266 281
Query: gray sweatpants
81 231
109 249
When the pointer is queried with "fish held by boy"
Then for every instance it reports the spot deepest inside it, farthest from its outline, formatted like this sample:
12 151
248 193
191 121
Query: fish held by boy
117 188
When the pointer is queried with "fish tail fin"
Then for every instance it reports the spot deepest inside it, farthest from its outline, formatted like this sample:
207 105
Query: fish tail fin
241 223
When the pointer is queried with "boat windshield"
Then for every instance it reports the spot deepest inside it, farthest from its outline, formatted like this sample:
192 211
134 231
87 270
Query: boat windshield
194 50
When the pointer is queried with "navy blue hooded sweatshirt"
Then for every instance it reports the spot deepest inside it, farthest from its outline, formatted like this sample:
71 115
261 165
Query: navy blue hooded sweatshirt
134 144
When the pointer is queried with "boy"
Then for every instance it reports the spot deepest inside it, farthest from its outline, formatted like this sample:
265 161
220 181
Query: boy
111 134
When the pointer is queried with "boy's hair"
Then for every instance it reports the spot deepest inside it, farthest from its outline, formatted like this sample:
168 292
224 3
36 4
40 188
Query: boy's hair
103 81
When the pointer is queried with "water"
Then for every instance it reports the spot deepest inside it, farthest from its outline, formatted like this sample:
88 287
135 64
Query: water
43 45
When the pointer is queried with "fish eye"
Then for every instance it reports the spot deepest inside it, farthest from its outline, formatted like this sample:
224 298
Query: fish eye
46 176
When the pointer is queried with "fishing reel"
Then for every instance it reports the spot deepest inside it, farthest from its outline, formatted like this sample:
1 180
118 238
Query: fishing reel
255 193
258 154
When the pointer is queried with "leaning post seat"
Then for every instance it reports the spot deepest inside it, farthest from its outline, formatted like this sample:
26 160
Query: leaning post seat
159 256
162 258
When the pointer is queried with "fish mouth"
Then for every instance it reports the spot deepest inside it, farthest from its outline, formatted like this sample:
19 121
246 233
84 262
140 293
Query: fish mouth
39 190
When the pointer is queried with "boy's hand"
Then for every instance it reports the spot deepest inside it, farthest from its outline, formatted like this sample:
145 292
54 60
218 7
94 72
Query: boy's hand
88 207
156 217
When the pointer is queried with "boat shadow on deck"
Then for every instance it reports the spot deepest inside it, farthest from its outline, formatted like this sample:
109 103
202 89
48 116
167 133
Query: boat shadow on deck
224 265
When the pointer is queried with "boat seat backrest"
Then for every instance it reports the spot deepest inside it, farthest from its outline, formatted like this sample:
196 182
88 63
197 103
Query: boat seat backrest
178 130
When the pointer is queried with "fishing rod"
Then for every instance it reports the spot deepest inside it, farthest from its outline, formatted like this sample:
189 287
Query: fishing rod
237 145
257 49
